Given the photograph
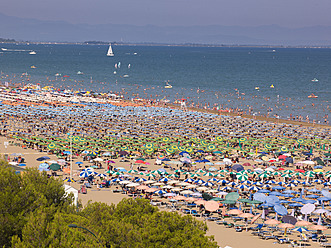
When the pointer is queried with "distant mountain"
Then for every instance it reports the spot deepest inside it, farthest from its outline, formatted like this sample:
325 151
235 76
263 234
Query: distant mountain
37 30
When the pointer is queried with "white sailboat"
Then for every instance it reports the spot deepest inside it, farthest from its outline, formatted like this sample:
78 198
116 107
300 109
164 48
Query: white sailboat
110 51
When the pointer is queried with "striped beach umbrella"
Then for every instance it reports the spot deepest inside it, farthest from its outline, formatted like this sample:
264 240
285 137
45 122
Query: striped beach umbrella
242 177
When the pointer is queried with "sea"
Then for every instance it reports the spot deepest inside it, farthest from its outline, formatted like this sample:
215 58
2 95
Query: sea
275 82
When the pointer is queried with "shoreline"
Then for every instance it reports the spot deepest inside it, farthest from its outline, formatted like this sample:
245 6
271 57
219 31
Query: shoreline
252 117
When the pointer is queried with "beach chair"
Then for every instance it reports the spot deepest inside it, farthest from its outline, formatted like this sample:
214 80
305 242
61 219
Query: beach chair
323 239
293 244
303 238
195 213
266 237
314 237
257 228
283 240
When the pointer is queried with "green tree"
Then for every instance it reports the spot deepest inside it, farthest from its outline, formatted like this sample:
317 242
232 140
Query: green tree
22 194
46 230
36 212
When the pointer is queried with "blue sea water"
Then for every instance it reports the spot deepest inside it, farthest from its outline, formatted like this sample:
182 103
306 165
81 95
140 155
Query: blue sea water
226 76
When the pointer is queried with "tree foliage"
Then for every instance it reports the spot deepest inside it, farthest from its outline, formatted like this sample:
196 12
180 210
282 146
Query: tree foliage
35 212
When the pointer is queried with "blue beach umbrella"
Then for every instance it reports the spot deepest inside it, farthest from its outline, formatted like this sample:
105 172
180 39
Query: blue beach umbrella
300 229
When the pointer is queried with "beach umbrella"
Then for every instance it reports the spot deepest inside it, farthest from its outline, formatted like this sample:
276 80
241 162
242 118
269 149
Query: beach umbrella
102 175
303 223
211 206
242 177
318 227
234 212
160 192
207 184
285 225
69 180
55 167
42 158
272 222
300 229
140 180
254 188
209 174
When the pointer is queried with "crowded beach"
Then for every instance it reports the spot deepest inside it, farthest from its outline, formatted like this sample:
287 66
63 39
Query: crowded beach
261 180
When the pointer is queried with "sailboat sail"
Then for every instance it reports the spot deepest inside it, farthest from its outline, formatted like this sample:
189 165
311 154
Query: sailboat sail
110 51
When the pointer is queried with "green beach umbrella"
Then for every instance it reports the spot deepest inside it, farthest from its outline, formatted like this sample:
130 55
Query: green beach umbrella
170 150
242 177
211 147
149 145
189 150
267 146
51 146
149 150
203 142
55 167
174 147
181 148
284 149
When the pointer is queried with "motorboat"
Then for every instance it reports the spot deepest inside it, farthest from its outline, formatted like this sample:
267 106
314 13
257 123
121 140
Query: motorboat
168 86
312 96
80 73
257 88
32 53
33 67
315 80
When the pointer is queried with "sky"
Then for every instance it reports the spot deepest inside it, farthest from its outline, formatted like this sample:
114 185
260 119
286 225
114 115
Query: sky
285 13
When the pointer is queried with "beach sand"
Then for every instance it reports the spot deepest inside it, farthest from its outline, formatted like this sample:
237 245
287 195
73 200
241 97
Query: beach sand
223 236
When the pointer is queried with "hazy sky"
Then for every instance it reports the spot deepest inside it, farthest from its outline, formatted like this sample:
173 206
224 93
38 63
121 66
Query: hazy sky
286 13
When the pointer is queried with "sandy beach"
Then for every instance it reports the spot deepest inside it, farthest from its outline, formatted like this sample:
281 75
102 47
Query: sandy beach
178 157
224 236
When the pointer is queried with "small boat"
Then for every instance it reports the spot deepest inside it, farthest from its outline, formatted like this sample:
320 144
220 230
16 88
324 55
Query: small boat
168 86
125 75
312 96
4 49
315 80
110 52
57 74
32 53
33 67
80 73
257 88
272 86
115 72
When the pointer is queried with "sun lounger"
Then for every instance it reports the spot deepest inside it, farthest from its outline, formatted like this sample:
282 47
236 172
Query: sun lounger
266 237
283 240
325 244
